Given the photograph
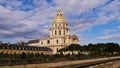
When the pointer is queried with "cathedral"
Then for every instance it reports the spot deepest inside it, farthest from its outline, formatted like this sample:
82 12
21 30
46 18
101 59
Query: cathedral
60 36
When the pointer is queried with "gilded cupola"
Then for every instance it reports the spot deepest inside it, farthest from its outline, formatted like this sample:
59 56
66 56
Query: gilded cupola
59 18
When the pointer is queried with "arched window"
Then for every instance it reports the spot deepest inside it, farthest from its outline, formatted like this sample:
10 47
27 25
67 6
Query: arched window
64 32
59 32
55 32
48 41
57 41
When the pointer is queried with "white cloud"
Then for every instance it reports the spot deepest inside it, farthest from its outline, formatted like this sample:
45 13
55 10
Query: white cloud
110 37
108 31
119 27
6 32
110 34
21 22
28 25
79 6
86 22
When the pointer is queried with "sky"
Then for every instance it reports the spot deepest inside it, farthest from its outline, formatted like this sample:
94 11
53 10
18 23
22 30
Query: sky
93 21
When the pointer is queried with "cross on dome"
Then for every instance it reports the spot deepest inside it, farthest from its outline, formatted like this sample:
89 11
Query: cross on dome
59 11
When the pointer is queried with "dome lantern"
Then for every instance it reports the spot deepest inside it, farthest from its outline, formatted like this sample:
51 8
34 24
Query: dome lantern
59 18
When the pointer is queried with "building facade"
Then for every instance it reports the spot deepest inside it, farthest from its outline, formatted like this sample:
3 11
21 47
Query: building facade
60 36
19 49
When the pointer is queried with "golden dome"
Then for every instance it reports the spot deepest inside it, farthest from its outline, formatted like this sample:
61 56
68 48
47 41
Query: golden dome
59 17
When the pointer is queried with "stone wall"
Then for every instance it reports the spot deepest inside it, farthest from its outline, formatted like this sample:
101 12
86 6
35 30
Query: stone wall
114 64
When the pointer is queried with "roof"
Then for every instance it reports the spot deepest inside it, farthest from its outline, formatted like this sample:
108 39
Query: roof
21 47
33 41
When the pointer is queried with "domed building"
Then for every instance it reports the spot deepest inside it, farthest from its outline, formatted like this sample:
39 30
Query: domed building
60 36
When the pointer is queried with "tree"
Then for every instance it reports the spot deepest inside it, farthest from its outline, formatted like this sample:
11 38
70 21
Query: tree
23 55
72 47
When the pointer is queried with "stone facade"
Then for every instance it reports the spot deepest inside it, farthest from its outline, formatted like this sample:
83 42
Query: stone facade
59 35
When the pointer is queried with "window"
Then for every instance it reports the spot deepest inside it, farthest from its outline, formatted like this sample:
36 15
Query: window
59 32
22 48
55 32
60 24
57 41
64 41
41 43
19 48
7 47
64 32
48 42
74 39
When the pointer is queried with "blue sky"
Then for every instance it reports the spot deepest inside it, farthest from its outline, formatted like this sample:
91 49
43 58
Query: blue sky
93 21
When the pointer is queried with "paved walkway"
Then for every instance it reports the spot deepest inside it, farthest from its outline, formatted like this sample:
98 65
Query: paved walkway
57 64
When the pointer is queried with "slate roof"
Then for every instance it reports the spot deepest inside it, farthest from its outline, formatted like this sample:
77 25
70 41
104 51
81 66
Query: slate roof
33 41
21 47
